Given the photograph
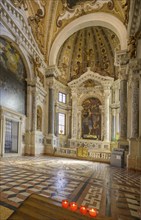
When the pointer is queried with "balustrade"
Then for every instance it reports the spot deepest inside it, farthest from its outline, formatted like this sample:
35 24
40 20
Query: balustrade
15 20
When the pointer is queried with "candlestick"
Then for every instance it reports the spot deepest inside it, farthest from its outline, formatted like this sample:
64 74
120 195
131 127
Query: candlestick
83 210
65 203
73 206
93 212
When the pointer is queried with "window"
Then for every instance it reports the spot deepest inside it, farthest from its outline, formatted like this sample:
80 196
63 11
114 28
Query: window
62 97
61 123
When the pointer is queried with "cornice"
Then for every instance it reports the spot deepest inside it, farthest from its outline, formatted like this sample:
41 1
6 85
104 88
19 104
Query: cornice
15 21
52 71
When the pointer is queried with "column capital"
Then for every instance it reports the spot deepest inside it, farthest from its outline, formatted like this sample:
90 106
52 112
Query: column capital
74 92
107 93
52 71
122 74
121 58
135 65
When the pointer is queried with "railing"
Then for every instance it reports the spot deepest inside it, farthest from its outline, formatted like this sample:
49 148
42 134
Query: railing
91 155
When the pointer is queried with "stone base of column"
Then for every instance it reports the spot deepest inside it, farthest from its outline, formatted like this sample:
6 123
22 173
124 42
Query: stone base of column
134 157
138 164
73 143
29 143
51 142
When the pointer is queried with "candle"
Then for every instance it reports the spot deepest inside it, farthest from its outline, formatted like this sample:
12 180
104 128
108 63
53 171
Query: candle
65 203
93 212
83 210
73 206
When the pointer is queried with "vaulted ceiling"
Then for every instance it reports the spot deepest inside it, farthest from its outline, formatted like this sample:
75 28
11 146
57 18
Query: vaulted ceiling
89 47
48 17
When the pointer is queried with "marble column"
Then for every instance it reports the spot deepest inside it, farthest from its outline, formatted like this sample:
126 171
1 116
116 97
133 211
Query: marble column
123 109
79 122
107 116
69 125
34 109
29 107
113 131
134 157
117 123
140 106
135 109
74 114
56 124
51 112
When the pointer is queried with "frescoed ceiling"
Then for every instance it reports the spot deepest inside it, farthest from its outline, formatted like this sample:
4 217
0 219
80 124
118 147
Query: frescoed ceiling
48 17
90 47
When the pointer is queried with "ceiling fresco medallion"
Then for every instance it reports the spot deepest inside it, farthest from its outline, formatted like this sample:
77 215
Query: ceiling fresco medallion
76 8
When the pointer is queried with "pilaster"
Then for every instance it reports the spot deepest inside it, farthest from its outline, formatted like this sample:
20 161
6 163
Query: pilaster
134 157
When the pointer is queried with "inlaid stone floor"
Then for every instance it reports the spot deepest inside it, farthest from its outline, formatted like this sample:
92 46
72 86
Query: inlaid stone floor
113 191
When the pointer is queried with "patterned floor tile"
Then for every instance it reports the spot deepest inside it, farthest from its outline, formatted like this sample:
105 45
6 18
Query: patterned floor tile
113 191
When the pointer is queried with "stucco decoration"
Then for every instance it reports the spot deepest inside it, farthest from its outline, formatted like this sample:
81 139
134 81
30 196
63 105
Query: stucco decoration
81 8
92 47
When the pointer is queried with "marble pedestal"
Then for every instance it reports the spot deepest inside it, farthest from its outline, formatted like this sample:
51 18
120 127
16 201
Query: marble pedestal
134 156
51 142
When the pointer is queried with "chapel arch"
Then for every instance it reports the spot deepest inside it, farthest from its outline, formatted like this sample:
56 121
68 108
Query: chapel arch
94 19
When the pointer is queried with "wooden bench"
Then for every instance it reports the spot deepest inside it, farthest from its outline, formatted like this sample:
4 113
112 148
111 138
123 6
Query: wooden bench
42 208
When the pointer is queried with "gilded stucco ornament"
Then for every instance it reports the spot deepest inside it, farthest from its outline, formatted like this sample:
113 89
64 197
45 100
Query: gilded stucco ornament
36 23
132 47
82 8
126 8
20 4
37 70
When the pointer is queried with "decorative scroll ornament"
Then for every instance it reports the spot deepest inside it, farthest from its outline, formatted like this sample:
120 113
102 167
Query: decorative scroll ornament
82 8
36 23
132 47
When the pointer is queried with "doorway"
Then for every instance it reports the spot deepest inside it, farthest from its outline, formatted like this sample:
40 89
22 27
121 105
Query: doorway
11 136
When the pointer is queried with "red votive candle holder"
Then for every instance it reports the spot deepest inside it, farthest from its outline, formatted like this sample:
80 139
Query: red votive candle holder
65 204
92 212
83 210
73 206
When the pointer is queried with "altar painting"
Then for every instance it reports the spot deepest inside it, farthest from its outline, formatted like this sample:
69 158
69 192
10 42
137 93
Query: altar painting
91 119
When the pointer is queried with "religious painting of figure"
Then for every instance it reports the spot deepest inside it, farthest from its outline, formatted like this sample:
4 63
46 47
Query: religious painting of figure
91 119
12 78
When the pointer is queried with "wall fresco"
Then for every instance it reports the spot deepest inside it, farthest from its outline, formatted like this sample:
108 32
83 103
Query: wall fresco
12 78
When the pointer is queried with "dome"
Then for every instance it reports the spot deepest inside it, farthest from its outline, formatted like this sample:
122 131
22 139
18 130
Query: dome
89 47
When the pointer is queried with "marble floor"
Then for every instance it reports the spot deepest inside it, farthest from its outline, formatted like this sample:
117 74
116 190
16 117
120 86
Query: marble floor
113 191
